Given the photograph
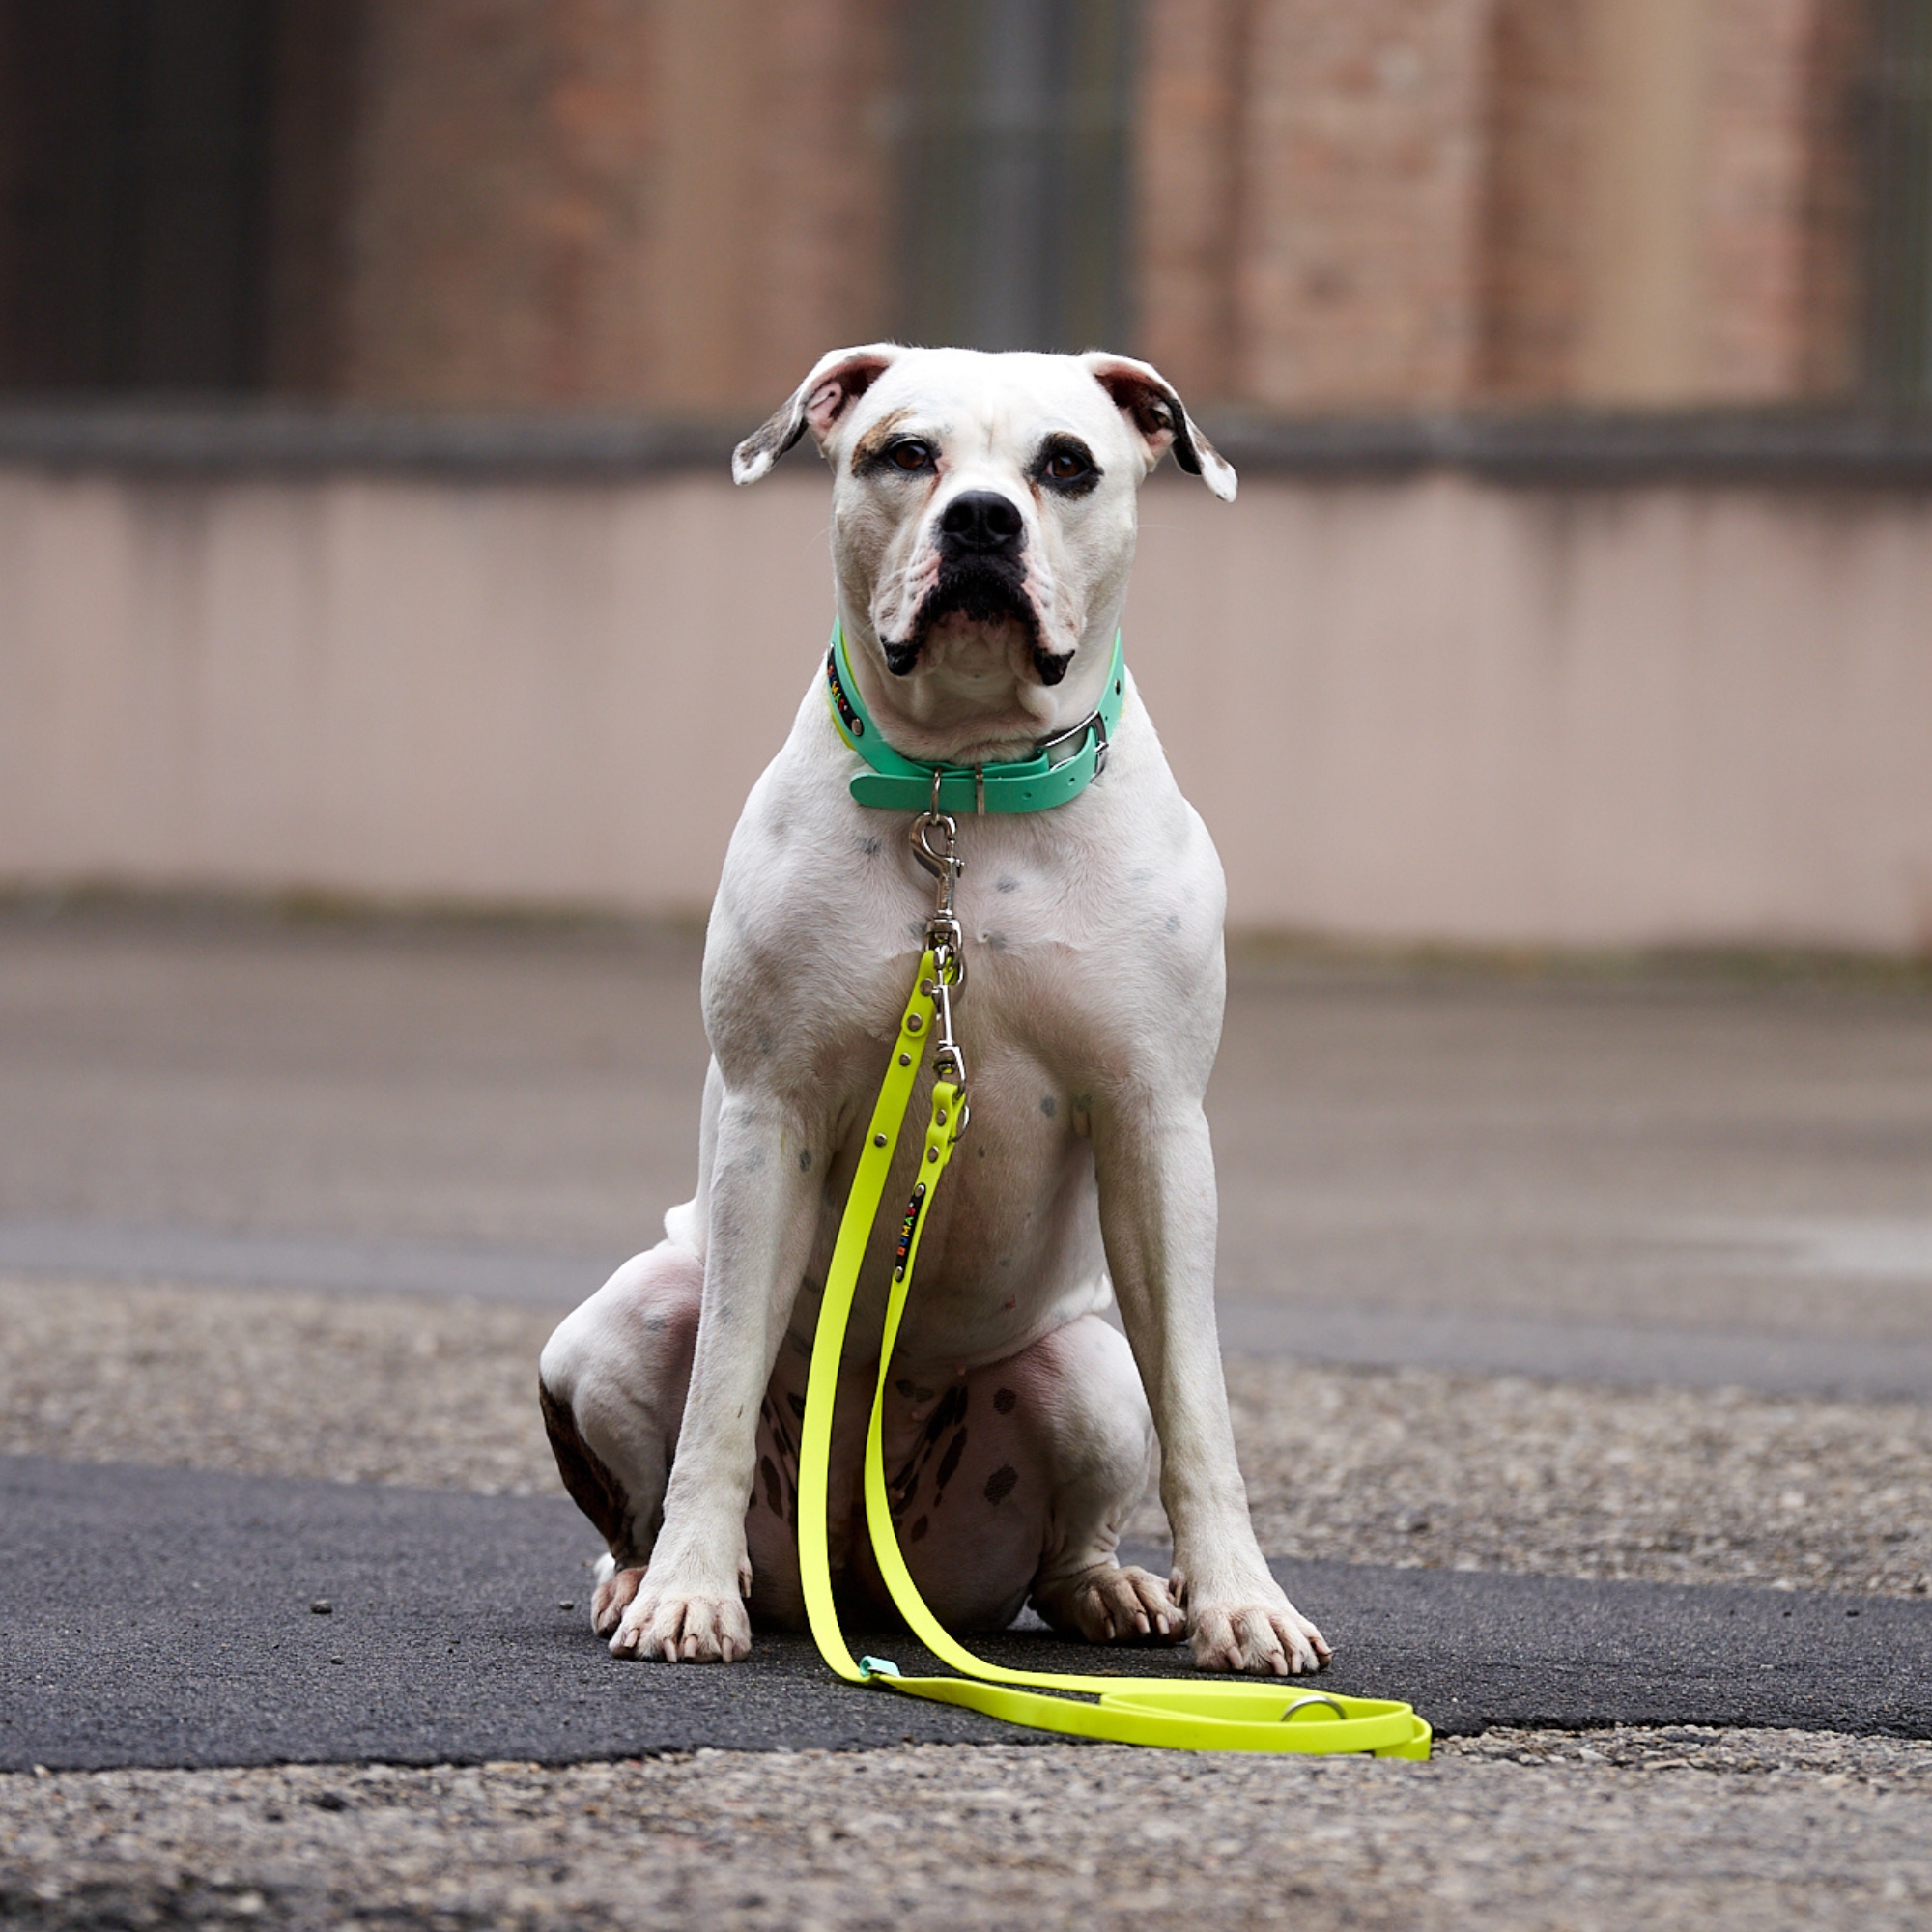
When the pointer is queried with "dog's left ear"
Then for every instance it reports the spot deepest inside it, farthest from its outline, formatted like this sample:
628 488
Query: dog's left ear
837 382
1151 403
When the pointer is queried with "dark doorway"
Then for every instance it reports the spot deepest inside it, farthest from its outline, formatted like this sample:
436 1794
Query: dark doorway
171 185
1017 170
1901 353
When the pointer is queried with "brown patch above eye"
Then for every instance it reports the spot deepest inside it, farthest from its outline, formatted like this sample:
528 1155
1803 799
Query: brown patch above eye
871 445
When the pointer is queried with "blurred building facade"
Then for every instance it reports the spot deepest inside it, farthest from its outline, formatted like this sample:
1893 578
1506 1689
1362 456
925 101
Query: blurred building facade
1290 205
367 369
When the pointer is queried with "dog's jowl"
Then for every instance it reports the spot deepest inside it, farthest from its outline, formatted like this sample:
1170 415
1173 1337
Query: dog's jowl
983 515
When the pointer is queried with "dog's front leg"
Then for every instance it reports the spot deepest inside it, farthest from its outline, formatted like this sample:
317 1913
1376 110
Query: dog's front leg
1155 1166
766 1178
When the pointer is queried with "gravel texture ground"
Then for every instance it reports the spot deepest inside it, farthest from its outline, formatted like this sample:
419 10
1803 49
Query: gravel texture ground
1405 1467
1668 1485
1689 1829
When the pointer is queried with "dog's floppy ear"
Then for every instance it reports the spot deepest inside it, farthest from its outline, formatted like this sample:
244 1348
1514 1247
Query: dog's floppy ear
837 382
1149 402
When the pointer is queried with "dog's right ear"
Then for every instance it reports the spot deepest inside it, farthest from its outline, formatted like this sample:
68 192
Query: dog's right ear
837 382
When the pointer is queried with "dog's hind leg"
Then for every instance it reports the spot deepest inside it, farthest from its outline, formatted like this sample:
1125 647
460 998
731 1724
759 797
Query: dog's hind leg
612 1380
1098 1443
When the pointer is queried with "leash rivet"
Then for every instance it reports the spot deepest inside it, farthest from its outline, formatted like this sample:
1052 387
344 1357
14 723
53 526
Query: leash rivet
878 1140
940 1115
905 1060
914 1023
933 1153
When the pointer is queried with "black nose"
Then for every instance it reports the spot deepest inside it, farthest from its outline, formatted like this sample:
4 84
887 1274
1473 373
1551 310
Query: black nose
982 520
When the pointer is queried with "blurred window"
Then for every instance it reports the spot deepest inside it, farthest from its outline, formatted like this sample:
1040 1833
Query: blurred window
132 157
1901 350
1018 173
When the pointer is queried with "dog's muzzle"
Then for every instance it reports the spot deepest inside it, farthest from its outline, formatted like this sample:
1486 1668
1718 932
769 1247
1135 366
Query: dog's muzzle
981 577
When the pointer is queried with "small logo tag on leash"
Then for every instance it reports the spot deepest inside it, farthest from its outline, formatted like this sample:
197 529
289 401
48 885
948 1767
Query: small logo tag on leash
907 1229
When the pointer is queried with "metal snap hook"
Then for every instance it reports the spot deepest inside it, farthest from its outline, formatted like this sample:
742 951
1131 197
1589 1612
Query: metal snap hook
943 860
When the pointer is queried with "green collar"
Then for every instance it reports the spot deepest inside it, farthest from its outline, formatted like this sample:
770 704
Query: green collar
1062 767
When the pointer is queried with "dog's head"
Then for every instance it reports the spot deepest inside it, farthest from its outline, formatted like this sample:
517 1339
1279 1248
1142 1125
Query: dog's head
983 505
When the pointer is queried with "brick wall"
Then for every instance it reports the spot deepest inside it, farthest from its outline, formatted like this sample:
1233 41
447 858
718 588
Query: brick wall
1534 292
622 201
1371 203
1341 204
1782 194
1362 155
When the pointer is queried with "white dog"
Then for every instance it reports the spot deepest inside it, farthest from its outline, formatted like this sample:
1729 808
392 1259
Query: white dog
983 524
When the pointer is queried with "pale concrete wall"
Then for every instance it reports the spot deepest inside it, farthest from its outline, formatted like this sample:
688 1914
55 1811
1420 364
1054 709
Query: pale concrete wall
1428 708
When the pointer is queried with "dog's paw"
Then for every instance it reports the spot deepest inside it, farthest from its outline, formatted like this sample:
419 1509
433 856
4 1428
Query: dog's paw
682 1628
1254 1628
1109 1603
613 1596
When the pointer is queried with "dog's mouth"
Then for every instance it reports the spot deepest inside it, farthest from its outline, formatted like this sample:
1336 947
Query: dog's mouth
982 590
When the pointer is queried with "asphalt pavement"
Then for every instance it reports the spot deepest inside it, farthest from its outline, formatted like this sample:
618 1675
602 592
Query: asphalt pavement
166 1617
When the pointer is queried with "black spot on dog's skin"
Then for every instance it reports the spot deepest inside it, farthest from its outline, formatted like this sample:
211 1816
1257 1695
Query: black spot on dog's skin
1000 1484
1005 883
918 1532
904 1385
591 1485
1049 1106
774 1488
1174 922
1006 1402
796 1403
870 847
952 1409
950 1463
804 1160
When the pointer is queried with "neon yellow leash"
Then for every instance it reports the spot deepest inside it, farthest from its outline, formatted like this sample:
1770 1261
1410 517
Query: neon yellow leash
1245 1715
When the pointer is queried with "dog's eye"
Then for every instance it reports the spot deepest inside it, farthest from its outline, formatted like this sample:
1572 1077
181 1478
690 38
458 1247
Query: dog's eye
1067 466
911 454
